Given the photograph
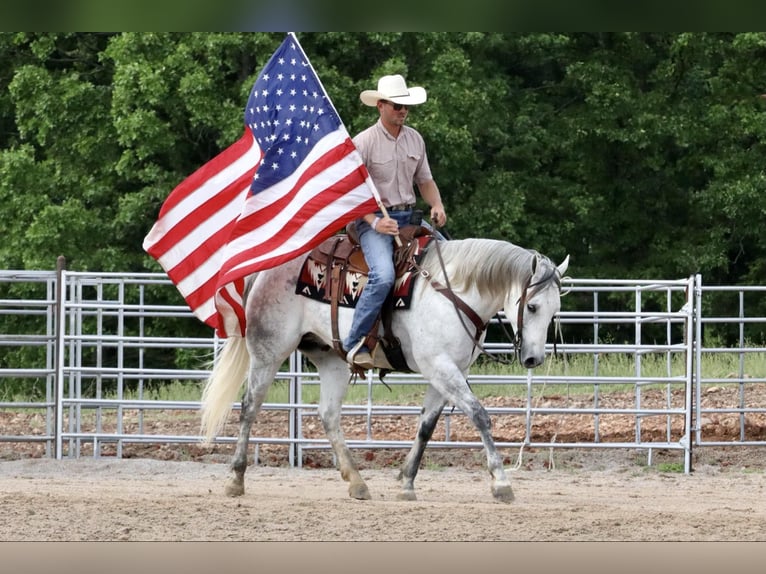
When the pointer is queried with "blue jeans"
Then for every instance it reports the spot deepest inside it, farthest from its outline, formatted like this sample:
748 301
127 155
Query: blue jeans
378 251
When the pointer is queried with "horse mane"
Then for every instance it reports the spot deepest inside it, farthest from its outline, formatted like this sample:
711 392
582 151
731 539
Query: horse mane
484 264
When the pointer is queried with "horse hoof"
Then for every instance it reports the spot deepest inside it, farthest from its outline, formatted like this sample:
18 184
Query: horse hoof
502 492
406 495
234 488
359 491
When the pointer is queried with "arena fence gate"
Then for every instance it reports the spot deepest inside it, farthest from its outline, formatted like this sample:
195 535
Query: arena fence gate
626 354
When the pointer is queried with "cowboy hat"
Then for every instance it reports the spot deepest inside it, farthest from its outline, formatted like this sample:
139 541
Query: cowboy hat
394 89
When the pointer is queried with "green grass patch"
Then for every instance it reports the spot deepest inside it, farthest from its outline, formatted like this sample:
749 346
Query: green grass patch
654 370
676 467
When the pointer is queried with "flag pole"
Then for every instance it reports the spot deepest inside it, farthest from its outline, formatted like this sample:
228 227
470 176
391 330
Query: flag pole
375 193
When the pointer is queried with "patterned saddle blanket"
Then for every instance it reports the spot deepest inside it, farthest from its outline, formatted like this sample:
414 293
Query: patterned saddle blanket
337 268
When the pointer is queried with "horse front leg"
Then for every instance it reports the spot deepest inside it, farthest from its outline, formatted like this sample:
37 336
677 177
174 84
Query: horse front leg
451 383
429 416
501 486
333 387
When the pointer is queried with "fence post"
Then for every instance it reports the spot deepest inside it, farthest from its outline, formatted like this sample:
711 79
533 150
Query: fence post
690 336
59 368
698 344
294 451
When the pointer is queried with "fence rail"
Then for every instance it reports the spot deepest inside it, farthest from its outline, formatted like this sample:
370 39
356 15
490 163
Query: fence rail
95 355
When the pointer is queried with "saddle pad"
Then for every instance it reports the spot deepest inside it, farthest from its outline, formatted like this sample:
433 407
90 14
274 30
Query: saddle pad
312 280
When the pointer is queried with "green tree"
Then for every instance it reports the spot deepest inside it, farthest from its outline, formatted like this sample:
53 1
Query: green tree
640 154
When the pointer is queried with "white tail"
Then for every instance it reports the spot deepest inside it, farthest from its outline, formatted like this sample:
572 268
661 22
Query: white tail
222 386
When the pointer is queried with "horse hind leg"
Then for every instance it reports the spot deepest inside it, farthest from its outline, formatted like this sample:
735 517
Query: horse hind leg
333 373
258 383
432 409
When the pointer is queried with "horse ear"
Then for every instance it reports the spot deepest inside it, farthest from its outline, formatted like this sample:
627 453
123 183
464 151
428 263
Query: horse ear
535 259
563 266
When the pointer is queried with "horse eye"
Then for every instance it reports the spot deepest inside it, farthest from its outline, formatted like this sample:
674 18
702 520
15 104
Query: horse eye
532 308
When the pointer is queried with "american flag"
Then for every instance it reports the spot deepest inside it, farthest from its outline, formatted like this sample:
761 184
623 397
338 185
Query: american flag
293 179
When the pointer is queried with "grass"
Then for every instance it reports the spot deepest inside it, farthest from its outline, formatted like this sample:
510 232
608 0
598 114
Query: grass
655 371
677 467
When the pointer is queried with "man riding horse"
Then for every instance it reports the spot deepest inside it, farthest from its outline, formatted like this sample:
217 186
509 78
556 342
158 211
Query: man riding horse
395 156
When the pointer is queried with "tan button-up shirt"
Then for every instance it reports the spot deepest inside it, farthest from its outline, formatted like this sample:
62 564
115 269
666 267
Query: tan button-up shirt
394 163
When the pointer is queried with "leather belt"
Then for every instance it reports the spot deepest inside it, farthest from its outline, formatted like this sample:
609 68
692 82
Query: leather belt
400 207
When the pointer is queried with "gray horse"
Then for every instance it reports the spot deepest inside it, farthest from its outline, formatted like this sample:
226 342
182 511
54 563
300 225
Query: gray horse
486 275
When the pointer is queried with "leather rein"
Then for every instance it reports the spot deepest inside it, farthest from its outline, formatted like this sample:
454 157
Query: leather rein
528 291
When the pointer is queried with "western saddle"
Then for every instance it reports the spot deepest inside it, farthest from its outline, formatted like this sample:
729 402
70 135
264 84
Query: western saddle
342 254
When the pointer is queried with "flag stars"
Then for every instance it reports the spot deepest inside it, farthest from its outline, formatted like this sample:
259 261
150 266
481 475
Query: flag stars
285 103
284 127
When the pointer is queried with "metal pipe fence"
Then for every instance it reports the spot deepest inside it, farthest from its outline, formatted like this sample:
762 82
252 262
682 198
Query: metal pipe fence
82 352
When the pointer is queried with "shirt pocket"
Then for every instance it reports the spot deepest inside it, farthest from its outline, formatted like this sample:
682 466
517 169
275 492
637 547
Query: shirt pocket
383 161
412 163
382 168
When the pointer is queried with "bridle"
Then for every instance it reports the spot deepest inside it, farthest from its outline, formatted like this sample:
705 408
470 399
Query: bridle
527 292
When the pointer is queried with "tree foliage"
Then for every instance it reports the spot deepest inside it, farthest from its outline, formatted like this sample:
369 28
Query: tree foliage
639 154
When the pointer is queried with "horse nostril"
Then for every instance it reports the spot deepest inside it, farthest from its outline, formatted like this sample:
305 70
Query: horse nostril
530 362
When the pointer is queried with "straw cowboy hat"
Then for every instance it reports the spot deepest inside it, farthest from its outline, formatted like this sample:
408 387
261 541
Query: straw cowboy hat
394 89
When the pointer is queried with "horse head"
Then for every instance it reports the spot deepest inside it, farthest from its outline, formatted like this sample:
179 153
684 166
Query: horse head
535 308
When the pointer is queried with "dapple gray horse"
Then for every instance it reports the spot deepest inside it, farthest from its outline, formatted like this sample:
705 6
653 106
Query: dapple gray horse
435 334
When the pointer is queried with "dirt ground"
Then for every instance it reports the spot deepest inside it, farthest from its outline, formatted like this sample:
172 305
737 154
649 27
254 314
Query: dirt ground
584 498
167 492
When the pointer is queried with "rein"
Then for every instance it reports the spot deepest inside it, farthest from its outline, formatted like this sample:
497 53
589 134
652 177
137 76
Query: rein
479 325
458 303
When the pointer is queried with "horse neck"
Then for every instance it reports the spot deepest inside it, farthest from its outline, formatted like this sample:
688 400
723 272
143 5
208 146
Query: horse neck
489 272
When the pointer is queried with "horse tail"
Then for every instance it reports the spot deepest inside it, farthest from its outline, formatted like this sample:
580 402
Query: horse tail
221 387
